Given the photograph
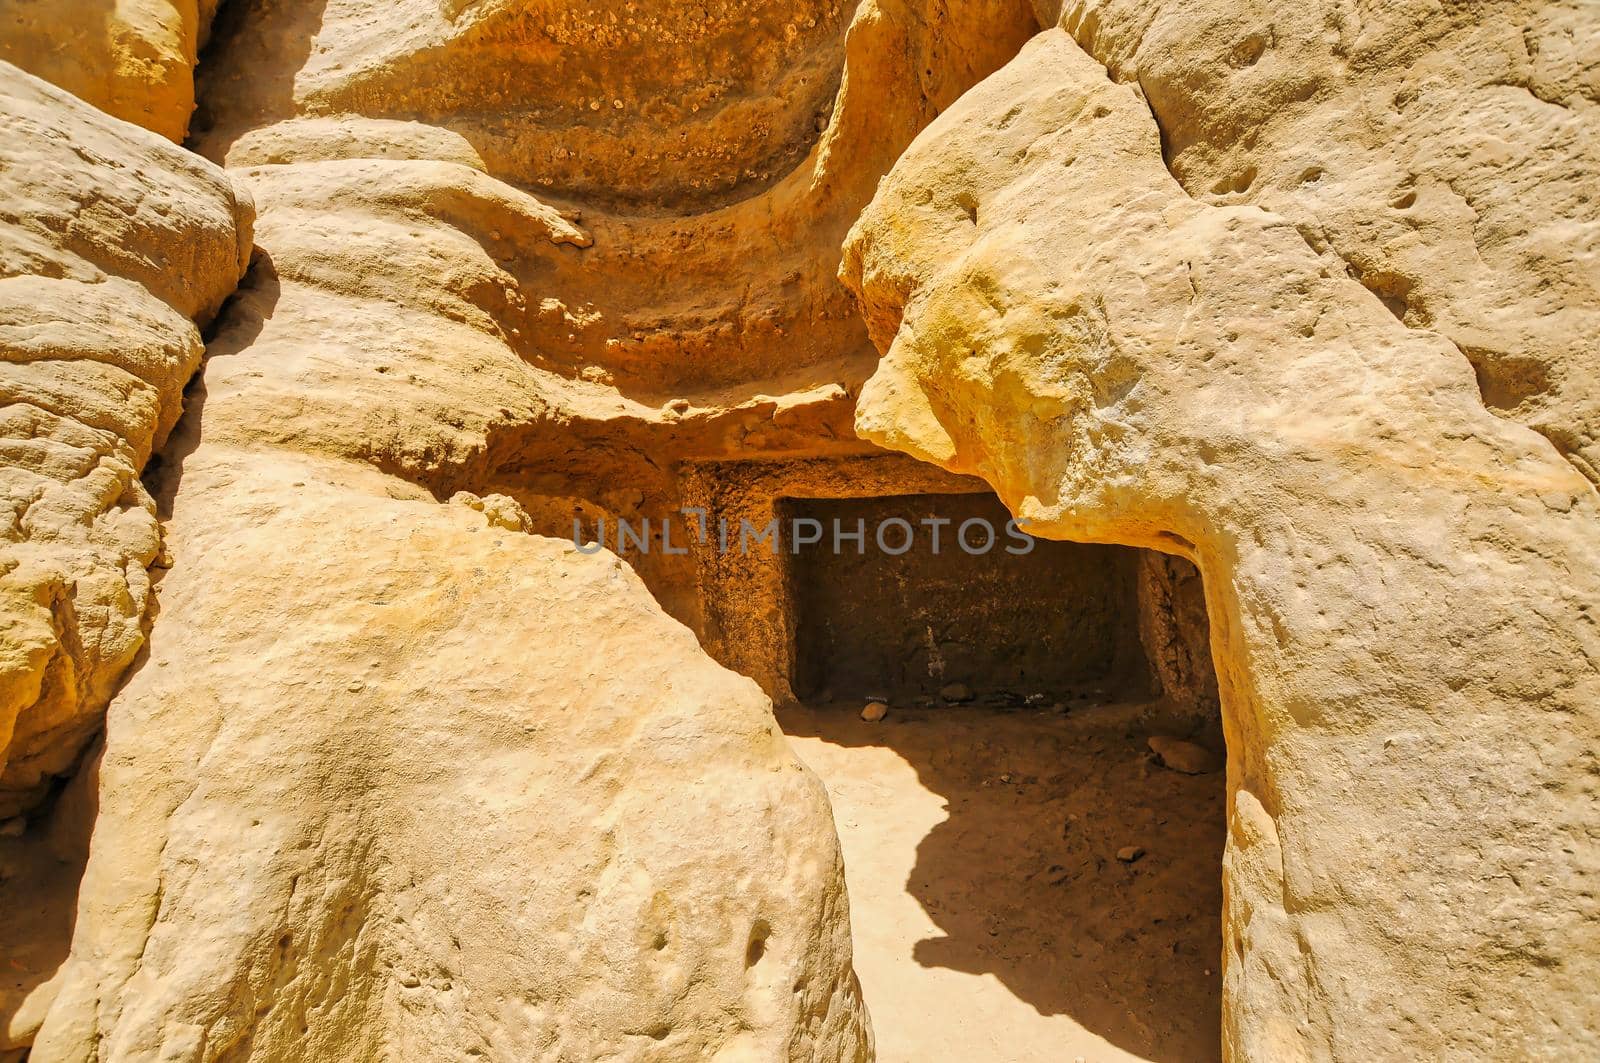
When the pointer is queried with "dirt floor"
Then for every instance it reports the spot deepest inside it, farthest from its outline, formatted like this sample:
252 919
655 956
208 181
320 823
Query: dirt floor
40 869
992 918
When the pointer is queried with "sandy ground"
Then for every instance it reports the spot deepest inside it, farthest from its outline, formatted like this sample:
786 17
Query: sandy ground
991 916
39 875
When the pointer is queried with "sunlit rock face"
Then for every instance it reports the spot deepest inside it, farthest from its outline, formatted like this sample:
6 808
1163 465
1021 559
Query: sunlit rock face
113 245
474 276
133 59
1399 580
397 783
1444 156
1304 295
662 106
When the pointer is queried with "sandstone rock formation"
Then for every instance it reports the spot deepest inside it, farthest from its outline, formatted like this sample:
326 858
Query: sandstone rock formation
132 58
1300 296
410 309
1444 156
1400 582
113 244
1177 633
396 783
198 935
459 306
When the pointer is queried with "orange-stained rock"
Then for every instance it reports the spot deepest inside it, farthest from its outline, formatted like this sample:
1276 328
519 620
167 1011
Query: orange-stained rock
133 59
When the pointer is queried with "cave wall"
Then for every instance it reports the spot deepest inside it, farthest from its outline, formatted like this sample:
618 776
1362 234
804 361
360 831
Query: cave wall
1008 626
1176 635
748 598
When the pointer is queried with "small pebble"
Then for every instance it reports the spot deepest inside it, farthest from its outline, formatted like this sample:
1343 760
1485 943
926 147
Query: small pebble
875 711
1129 853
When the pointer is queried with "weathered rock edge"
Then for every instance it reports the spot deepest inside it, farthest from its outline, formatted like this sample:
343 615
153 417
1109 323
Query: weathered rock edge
113 245
1401 585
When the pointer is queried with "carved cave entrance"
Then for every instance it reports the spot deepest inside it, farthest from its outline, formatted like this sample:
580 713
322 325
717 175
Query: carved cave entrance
943 592
982 819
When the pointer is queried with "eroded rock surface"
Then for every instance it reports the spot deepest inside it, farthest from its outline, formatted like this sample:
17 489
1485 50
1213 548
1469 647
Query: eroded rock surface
113 243
458 852
1445 156
399 783
131 58
1304 297
1399 581
1176 633
461 313
717 194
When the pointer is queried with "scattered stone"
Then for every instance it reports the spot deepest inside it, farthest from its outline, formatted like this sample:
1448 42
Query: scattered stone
875 711
1184 756
1129 853
956 692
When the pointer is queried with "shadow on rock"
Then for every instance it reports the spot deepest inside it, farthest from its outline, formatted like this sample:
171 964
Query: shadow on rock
1024 876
